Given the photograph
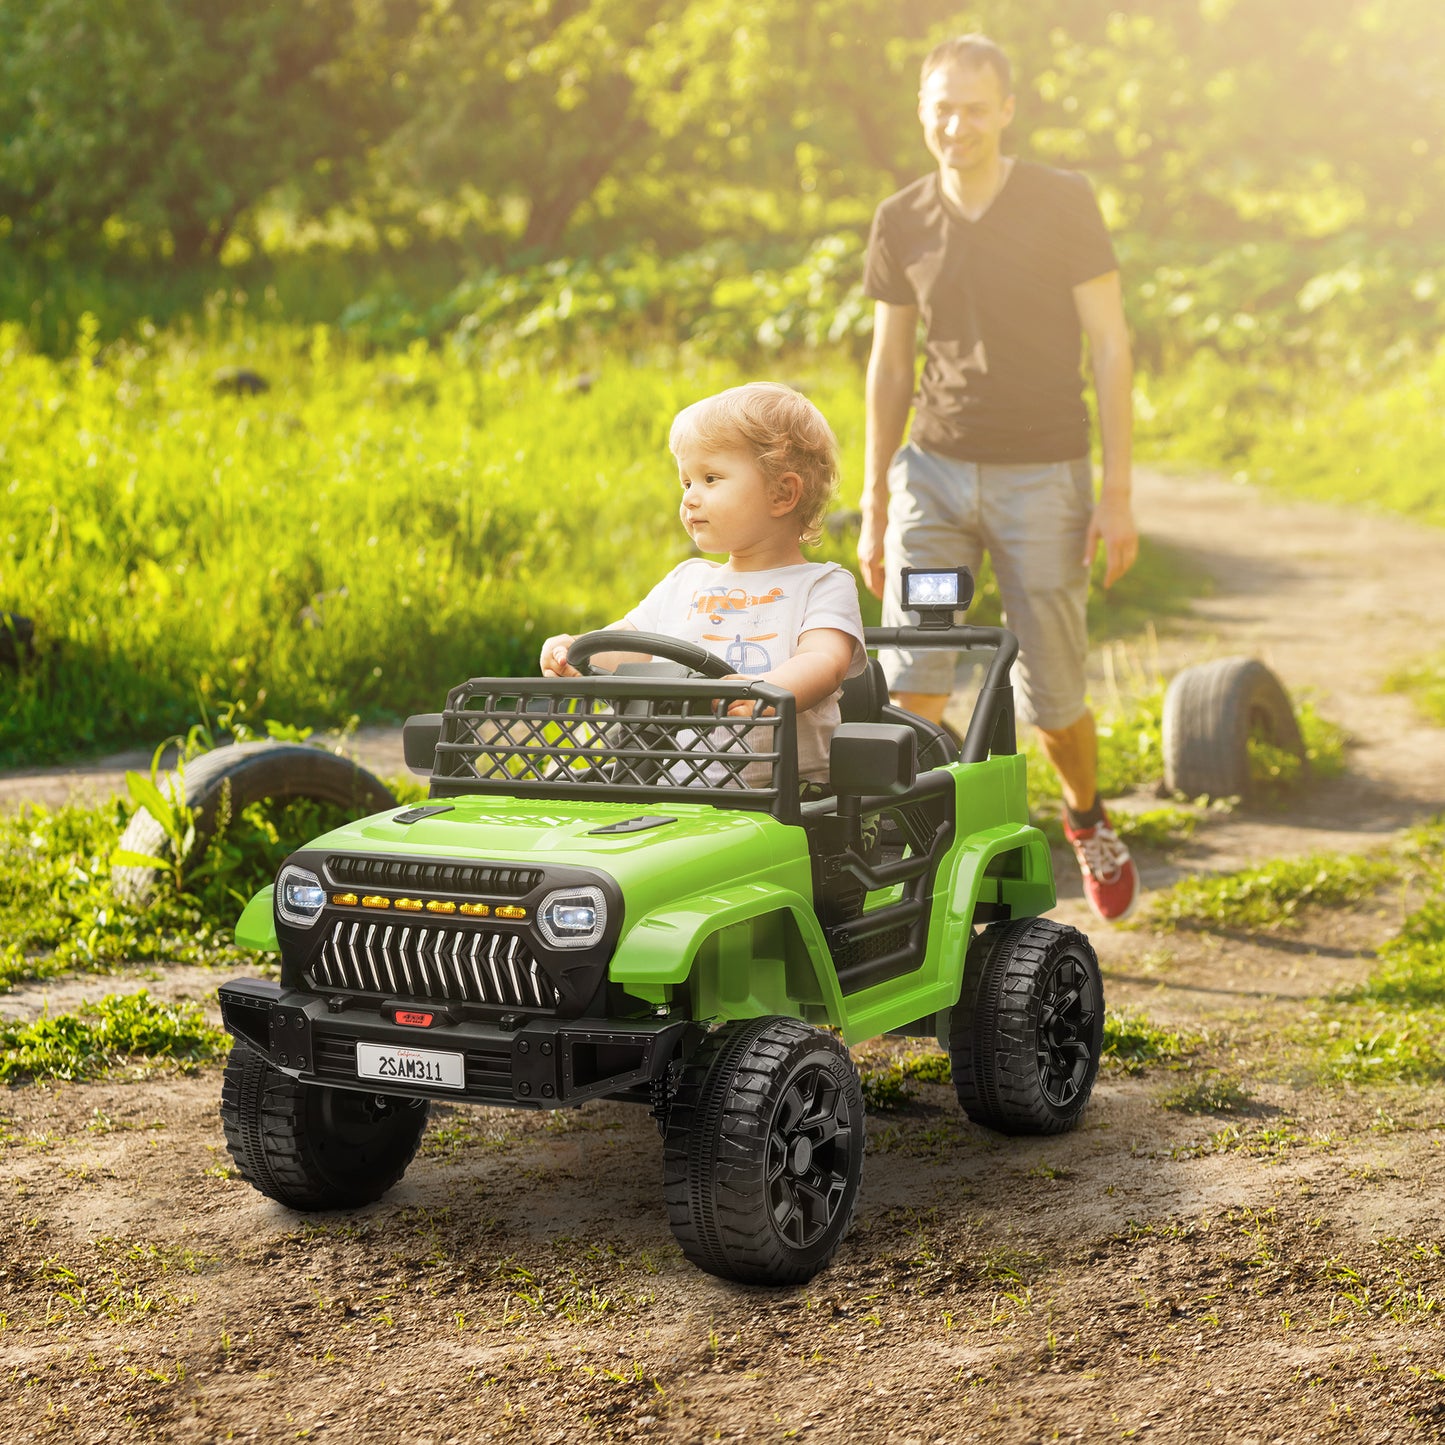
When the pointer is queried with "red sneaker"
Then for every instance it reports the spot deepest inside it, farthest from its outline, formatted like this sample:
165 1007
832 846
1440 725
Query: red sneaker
1111 881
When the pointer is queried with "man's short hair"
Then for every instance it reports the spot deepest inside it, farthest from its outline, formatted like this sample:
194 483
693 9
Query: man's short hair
971 51
783 432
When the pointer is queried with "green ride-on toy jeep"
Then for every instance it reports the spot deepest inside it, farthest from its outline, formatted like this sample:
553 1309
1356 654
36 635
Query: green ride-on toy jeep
615 891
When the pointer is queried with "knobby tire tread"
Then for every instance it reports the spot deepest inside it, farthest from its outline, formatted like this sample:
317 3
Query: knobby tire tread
1206 726
991 1043
264 1117
714 1155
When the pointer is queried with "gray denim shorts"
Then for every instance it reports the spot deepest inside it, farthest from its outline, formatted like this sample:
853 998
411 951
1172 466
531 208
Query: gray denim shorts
1031 518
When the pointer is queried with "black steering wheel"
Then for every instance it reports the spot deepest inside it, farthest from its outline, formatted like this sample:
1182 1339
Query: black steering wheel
687 654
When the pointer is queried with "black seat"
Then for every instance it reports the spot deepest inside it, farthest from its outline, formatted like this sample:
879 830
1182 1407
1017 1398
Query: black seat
865 699
865 696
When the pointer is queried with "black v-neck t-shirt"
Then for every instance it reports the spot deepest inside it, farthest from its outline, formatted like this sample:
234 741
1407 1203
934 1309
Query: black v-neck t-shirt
1002 378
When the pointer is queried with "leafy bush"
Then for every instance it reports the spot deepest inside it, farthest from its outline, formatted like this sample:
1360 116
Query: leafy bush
100 1036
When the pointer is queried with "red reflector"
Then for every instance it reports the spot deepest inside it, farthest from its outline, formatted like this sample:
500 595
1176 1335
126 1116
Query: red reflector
415 1020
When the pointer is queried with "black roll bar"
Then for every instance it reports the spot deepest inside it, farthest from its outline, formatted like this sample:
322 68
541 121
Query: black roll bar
991 728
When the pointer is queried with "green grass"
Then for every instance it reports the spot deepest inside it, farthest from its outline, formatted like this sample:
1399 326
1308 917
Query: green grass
886 1086
1156 828
60 914
1362 438
105 1035
374 527
1214 1093
1392 1027
1271 895
1132 1042
1425 683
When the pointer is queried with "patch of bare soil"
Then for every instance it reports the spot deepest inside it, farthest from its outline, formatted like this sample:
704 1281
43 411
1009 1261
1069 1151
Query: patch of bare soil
1270 1272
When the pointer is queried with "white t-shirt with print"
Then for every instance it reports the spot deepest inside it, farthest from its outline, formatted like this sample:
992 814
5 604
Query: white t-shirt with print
753 620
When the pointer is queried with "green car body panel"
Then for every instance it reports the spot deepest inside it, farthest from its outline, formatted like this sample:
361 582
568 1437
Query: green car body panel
720 901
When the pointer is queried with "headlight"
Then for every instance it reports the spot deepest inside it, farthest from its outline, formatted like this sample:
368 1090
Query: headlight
299 896
573 917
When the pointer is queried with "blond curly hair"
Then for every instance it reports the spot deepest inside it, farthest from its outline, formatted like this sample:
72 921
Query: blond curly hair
783 431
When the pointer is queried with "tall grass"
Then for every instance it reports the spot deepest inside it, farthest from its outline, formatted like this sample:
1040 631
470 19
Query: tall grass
364 533
1369 437
342 542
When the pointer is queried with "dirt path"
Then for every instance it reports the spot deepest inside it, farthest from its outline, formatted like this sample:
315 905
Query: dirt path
1269 1273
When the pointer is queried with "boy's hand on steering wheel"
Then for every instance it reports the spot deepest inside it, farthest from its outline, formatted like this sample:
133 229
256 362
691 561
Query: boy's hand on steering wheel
554 656
744 706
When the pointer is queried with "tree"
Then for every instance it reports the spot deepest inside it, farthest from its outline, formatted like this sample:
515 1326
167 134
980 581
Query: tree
173 117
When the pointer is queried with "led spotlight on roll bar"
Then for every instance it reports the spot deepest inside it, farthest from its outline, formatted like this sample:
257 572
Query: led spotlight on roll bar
936 593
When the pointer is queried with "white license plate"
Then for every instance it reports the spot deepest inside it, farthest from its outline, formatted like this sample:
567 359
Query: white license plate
392 1065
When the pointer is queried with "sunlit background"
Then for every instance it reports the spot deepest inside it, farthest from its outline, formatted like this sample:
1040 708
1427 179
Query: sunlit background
477 251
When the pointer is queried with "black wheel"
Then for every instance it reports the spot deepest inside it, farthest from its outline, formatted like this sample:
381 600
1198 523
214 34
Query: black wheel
231 778
1027 1033
764 1151
1212 713
312 1147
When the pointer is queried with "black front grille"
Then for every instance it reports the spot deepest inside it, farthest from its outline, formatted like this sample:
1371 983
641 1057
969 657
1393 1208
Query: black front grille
427 875
399 960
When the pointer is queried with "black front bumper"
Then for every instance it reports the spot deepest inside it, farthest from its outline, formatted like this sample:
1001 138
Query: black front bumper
541 1063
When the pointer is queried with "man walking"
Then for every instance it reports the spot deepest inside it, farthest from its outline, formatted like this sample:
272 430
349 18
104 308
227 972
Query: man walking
1008 265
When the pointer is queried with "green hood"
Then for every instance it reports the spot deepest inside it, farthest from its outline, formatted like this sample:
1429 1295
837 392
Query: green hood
702 847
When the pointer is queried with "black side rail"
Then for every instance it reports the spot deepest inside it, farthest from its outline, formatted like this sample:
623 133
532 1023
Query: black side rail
992 727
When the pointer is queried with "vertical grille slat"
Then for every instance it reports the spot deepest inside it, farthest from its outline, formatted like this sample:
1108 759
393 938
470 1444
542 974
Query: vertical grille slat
457 966
512 968
476 969
472 965
492 965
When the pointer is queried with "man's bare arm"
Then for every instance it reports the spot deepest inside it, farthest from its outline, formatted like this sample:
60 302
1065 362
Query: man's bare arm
888 393
1100 306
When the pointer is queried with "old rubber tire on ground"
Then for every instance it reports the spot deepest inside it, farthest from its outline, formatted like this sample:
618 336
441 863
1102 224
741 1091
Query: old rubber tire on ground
311 1147
248 772
1211 712
1027 1033
764 1151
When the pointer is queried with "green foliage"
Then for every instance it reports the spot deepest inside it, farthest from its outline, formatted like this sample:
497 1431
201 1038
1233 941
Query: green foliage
1214 1093
355 541
1158 828
591 124
887 1087
101 1036
60 914
1132 1042
1270 895
1393 1026
1425 683
1131 754
1265 422
159 124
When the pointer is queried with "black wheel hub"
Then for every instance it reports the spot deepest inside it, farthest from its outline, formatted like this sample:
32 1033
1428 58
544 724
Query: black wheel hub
1068 1007
808 1156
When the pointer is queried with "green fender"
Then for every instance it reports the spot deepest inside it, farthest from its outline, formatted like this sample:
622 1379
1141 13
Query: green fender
749 950
256 927
1026 886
